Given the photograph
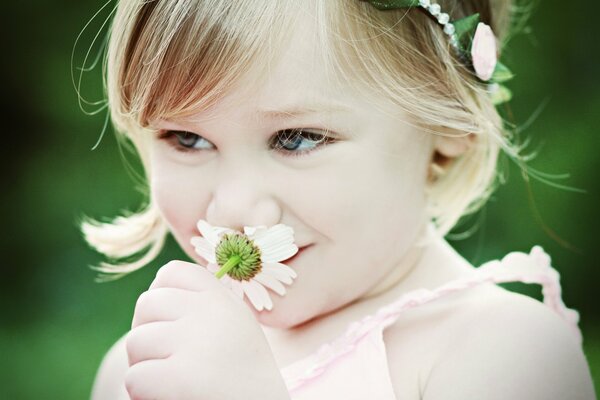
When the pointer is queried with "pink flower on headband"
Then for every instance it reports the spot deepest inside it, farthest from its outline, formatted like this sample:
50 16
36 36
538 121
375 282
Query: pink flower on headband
483 52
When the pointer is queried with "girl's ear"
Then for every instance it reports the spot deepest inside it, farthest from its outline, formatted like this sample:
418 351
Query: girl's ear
447 146
452 144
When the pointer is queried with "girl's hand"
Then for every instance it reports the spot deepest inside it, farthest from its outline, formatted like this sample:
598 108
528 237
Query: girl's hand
191 338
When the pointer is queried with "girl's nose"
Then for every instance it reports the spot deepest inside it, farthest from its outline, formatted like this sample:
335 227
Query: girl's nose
242 202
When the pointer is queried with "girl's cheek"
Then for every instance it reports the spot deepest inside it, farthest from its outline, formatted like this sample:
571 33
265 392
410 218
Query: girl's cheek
181 205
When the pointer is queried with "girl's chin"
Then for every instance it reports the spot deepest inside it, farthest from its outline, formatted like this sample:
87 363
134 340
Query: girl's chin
278 317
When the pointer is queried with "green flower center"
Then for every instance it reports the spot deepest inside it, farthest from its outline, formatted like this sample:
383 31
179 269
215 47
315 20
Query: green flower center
238 257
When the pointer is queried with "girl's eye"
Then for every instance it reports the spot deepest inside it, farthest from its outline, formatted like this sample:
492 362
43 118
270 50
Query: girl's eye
187 141
292 142
298 141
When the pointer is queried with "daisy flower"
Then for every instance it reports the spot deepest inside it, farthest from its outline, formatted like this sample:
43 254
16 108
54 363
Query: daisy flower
248 262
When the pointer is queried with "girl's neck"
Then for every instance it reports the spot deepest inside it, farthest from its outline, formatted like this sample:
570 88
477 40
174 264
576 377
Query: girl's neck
430 263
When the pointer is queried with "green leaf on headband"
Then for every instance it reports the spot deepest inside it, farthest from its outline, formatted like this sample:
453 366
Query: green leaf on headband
500 94
392 4
465 29
501 73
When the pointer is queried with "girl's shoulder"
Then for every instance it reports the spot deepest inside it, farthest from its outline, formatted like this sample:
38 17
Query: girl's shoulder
504 342
488 311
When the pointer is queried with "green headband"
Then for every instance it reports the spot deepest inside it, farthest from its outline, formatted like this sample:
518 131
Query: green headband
473 41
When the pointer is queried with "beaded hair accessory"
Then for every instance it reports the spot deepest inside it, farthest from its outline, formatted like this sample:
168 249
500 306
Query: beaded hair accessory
473 41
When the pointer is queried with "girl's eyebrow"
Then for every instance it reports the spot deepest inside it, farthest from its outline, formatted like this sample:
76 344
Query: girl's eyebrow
301 110
292 112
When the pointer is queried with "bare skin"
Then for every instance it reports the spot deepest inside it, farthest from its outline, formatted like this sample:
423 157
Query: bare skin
358 207
450 337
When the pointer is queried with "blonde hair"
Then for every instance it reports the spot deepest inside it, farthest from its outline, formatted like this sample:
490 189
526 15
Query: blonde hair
167 59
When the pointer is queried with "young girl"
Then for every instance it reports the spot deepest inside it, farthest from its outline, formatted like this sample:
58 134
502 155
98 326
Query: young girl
368 128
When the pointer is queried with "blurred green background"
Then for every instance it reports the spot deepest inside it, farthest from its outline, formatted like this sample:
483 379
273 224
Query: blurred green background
56 323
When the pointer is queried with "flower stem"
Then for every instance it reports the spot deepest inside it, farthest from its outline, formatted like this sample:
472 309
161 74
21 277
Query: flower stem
232 262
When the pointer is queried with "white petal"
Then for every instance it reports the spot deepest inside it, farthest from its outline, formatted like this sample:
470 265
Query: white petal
254 295
236 288
281 266
211 233
274 237
254 231
271 282
280 271
257 294
208 232
281 276
250 231
266 297
204 249
276 254
277 233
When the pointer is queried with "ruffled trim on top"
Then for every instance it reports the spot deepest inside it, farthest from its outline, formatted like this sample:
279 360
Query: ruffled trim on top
534 267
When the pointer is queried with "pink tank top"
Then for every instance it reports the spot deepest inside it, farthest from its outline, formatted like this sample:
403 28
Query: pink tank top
354 366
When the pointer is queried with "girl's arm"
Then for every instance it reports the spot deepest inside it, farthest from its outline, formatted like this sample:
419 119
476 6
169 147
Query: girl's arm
518 350
110 380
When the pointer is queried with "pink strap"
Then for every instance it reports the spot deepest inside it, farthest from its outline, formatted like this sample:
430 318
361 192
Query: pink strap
514 267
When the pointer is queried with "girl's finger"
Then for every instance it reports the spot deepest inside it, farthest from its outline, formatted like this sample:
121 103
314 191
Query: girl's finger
185 275
160 380
167 304
155 340
144 378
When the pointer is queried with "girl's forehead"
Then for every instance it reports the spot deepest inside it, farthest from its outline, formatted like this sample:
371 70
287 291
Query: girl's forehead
297 83
290 73
298 74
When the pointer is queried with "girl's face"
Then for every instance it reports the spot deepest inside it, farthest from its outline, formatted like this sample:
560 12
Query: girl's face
350 181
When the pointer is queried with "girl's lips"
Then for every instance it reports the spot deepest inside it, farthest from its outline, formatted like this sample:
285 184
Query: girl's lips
295 256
